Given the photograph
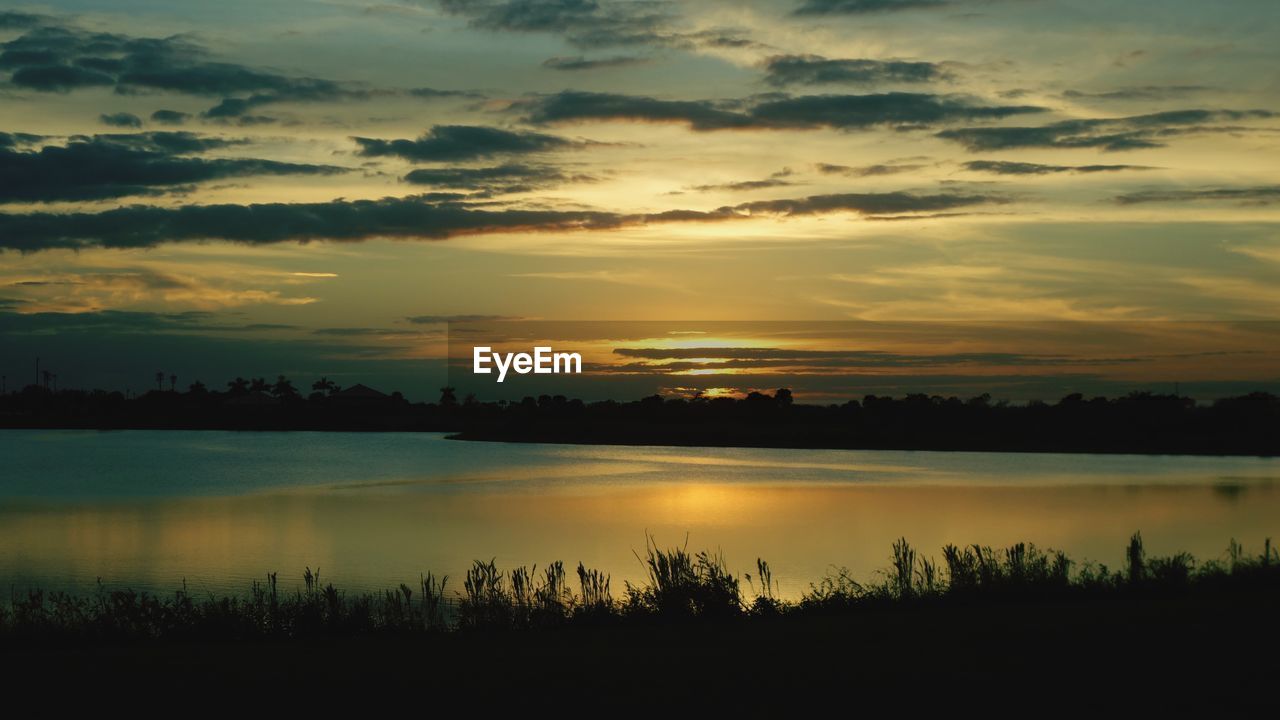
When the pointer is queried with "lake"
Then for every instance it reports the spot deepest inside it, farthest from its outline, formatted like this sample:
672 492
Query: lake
152 509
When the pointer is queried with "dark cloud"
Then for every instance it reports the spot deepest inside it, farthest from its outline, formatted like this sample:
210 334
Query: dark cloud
844 112
463 142
432 319
408 217
1000 167
847 112
113 166
868 170
778 179
582 63
10 140
784 70
308 90
870 204
122 321
741 357
1145 92
121 119
54 58
434 93
1127 133
19 20
570 106
143 226
863 7
365 331
169 117
507 178
177 142
58 78
1257 195
598 23
585 23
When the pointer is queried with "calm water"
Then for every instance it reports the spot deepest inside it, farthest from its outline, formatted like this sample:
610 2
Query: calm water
150 509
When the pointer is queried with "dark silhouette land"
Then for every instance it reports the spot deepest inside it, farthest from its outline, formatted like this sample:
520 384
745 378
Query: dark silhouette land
1134 423
986 625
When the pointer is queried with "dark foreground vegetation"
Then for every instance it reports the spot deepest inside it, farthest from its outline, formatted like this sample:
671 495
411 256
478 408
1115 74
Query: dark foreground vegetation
993 620
1134 423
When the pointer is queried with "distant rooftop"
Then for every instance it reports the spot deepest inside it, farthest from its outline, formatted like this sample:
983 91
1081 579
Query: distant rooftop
359 392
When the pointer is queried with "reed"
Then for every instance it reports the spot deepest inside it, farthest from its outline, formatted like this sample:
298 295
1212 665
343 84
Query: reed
680 586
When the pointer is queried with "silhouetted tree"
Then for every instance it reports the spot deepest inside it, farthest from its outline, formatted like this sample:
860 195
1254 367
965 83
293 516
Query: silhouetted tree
447 397
259 385
159 380
198 388
284 389
783 397
239 386
326 386
173 380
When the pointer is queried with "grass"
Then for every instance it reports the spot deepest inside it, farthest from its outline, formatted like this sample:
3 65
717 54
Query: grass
681 587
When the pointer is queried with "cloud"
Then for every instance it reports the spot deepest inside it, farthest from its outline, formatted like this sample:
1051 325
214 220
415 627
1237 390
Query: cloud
868 170
507 178
777 179
179 142
585 23
58 78
113 166
121 119
367 331
871 204
1126 133
433 319
582 63
428 93
844 112
784 70
53 58
745 357
862 7
1257 195
169 117
463 142
407 217
18 20
1145 92
1025 168
10 140
572 106
847 112
124 322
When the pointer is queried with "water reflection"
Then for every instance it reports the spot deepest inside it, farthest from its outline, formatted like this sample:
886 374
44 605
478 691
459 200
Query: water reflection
375 540
220 509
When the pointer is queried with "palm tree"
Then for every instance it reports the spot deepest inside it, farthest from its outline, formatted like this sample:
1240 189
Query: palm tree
239 386
284 389
447 397
325 385
159 380
259 385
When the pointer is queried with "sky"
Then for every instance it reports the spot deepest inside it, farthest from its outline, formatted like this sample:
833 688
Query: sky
317 188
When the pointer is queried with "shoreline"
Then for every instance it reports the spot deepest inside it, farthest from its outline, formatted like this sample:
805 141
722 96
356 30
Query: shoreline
673 442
